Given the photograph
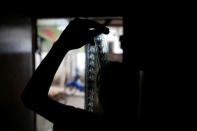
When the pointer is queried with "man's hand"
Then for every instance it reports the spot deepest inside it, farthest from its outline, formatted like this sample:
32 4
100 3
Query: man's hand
79 32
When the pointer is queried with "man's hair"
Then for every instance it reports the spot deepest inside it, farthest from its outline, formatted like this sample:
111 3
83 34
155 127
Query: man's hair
109 81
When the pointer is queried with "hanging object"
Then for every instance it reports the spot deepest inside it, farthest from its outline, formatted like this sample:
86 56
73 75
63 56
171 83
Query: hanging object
96 57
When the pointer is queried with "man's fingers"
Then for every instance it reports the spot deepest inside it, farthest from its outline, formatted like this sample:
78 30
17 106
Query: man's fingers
93 33
92 24
98 27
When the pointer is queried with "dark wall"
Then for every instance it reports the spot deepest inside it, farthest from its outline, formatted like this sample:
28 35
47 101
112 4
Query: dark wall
159 44
15 70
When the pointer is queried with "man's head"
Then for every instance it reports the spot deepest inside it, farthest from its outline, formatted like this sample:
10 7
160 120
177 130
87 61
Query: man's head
110 83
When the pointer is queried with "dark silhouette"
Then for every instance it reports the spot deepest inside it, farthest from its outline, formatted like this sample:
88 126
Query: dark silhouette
35 95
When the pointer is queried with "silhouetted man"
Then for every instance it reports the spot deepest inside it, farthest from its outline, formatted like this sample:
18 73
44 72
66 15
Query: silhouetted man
35 95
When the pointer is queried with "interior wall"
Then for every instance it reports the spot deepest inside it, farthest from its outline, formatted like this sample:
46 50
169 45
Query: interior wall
15 70
153 44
